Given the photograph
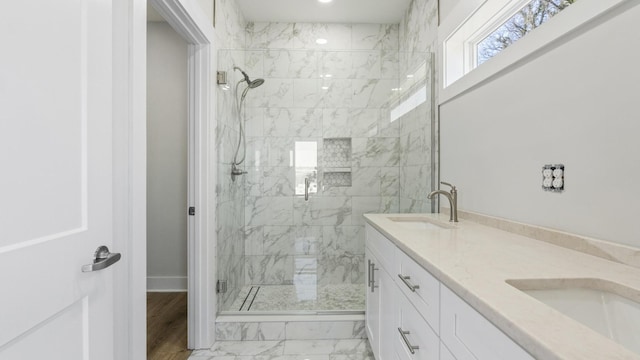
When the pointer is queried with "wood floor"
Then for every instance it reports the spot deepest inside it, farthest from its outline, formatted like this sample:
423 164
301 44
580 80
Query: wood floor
167 326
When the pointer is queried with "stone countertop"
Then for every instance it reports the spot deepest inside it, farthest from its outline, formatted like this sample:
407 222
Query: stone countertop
475 261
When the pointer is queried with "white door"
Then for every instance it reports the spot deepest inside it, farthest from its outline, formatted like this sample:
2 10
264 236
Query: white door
55 179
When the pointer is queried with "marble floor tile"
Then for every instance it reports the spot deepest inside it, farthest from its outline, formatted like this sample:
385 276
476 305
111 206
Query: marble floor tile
252 348
351 347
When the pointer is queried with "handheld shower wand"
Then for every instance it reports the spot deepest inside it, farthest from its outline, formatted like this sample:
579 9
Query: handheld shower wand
246 77
235 170
251 84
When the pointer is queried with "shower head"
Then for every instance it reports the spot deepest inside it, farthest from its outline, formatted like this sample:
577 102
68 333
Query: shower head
252 84
255 83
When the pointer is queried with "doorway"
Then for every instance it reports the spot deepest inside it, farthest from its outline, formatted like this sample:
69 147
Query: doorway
189 21
167 190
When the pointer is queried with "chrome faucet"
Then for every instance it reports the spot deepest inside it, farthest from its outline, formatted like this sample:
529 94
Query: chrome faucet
453 200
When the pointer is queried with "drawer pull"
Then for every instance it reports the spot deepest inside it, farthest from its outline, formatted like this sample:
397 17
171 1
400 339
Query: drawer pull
372 279
404 334
405 280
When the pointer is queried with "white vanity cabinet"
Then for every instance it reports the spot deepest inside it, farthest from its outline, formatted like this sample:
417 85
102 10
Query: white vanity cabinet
380 293
395 327
410 315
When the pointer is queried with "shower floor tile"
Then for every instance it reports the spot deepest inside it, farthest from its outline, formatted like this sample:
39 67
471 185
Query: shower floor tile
357 349
300 297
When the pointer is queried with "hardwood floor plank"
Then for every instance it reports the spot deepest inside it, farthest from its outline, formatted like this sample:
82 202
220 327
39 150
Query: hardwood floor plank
167 326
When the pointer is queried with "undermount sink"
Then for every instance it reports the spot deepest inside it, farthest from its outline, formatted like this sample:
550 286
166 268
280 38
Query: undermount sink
419 223
603 306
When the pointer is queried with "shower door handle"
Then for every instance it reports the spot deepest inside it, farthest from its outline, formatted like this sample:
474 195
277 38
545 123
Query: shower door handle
306 189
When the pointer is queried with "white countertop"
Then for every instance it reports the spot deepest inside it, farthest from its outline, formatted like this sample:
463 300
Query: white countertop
475 261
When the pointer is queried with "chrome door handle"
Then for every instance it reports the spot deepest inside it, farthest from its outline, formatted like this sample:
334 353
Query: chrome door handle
369 272
306 189
102 259
404 334
405 280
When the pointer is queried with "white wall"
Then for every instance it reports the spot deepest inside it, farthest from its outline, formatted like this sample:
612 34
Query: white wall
445 7
167 158
449 7
577 104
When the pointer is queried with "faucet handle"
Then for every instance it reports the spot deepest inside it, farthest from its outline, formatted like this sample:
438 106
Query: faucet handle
446 183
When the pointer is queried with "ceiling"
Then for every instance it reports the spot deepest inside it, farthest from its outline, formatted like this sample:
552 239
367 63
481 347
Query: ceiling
338 11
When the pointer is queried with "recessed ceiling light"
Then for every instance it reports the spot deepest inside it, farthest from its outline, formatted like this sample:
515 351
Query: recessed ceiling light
325 1
321 41
325 88
409 76
328 75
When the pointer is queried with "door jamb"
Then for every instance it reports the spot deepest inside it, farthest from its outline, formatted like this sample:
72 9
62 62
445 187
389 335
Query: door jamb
196 28
129 177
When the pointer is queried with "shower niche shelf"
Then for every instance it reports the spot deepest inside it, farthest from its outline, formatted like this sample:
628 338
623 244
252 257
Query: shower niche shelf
337 162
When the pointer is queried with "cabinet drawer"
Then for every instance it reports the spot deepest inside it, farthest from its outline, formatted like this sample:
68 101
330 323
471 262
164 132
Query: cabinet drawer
381 247
420 287
470 336
416 333
445 354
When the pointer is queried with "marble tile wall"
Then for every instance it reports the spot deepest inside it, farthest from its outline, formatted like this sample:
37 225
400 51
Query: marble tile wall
320 241
230 195
419 127
290 330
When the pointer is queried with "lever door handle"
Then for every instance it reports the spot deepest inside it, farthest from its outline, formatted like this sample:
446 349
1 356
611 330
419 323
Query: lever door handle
102 259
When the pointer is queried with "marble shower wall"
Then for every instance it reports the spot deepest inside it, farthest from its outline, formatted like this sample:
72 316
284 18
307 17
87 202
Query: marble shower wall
320 241
230 255
419 127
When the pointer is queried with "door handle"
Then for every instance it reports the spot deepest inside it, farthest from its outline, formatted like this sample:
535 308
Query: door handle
102 259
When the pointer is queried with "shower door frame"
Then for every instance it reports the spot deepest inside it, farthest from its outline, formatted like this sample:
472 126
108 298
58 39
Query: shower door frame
196 28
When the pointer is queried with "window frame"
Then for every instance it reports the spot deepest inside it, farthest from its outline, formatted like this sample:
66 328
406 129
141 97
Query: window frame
469 21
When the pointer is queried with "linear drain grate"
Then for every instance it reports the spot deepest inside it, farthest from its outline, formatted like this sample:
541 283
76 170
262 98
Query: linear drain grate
250 298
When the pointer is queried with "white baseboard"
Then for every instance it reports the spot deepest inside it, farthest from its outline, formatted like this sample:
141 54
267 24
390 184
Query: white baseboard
166 283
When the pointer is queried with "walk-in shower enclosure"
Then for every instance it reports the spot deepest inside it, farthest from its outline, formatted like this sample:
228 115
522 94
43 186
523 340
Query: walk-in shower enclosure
335 131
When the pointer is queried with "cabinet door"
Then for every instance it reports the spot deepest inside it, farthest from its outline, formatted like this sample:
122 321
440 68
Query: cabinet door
445 354
388 308
372 309
412 333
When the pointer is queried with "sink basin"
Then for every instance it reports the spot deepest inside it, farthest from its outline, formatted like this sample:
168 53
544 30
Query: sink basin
420 223
603 306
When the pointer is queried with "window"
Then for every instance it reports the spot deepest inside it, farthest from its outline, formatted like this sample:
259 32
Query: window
306 166
475 31
531 16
